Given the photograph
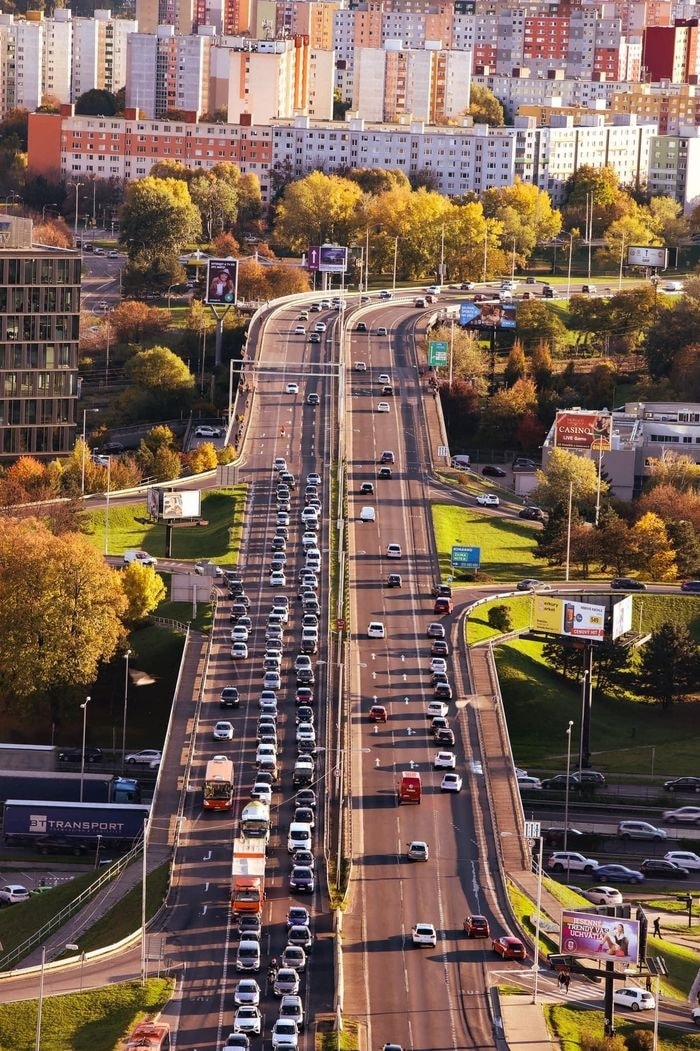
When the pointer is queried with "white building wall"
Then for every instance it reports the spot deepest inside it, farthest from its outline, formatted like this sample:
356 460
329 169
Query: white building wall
58 48
141 63
369 83
458 77
85 56
21 62
321 82
121 29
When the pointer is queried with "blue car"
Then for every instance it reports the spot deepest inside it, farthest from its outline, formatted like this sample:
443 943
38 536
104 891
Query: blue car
617 874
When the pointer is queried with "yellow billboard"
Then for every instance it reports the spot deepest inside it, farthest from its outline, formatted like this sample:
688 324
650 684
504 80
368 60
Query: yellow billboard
562 617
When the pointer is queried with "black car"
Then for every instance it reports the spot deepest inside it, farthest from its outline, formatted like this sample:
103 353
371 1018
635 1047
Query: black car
444 735
361 326
439 648
234 584
657 868
113 449
559 782
384 472
554 837
535 514
75 755
493 472
442 591
627 584
249 924
367 487
683 784
692 586
305 797
230 697
393 580
442 691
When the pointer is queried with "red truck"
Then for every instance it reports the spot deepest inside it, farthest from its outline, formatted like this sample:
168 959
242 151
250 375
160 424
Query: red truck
409 787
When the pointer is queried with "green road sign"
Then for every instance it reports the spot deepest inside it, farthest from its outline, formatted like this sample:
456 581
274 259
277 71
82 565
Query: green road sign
437 353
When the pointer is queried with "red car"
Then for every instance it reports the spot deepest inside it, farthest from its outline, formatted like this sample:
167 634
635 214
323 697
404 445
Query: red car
378 714
477 927
304 695
509 948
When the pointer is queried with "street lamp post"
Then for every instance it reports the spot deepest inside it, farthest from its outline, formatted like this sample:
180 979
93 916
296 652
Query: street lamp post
84 708
566 793
109 333
37 1043
512 264
622 257
396 256
76 187
82 471
568 276
43 210
126 702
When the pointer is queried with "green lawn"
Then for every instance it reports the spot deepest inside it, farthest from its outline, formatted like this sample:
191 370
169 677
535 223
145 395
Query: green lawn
506 546
222 509
20 921
575 1027
97 1020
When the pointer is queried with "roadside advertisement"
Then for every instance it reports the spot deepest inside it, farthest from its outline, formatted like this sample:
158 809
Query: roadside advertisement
600 937
644 255
582 430
183 503
561 617
488 314
222 281
622 617
333 259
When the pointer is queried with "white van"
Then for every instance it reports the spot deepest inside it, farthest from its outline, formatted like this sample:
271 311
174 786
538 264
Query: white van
299 837
142 557
367 514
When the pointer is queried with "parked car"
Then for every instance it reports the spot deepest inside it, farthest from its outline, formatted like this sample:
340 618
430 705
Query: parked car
659 868
535 514
493 472
603 895
13 894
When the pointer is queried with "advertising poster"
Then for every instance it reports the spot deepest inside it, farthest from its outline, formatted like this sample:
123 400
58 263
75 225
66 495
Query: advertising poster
582 430
600 937
487 314
333 259
622 617
183 503
562 617
222 281
638 255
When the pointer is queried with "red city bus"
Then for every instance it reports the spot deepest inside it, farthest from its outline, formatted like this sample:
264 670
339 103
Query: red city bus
218 784
149 1036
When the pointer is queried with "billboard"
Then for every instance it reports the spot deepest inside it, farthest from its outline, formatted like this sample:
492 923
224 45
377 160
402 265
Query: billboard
466 557
622 617
578 620
173 504
644 255
222 281
329 259
582 430
599 937
487 314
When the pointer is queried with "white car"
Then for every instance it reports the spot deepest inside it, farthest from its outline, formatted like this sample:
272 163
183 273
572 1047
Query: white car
444 761
438 664
239 651
633 999
368 514
248 1020
13 894
262 791
603 895
280 464
313 478
383 406
292 388
207 432
384 377
320 326
685 815
239 633
451 782
223 731
424 934
488 500
277 579
285 1033
436 708
299 330
271 680
145 757
375 630
247 992
360 366
393 551
309 540
685 858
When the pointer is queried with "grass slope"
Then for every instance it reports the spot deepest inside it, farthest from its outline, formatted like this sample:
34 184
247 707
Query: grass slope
506 547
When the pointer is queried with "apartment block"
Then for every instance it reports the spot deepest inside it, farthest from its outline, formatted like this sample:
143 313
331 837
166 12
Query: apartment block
98 55
21 62
57 67
168 72
674 166
39 335
671 53
428 83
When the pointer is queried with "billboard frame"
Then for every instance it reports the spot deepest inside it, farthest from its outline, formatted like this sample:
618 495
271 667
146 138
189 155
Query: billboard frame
598 937
655 256
587 430
584 620
490 315
225 292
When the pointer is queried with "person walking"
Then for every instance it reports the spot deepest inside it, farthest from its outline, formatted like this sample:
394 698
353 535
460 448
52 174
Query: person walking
657 927
567 981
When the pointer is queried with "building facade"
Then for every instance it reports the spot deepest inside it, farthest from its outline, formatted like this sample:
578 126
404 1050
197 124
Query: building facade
39 336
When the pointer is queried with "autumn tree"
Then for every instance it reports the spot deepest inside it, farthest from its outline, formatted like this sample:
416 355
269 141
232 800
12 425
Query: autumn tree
675 469
217 201
60 615
671 504
669 666
144 591
503 412
469 360
541 365
538 323
285 280
158 456
526 214
616 544
686 547
565 469
158 218
136 322
161 385
677 327
484 107
316 210
516 366
654 554
461 408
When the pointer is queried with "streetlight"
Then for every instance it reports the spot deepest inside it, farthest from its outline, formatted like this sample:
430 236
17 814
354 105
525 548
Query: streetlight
396 254
76 187
442 255
82 472
84 708
512 265
566 794
568 276
43 210
622 257
126 702
72 947
109 333
37 1042
486 252
12 197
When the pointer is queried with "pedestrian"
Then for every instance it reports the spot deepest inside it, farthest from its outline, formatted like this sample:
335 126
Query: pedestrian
657 927
567 981
562 979
648 983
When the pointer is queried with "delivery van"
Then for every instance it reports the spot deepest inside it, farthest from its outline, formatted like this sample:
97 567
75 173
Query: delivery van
409 787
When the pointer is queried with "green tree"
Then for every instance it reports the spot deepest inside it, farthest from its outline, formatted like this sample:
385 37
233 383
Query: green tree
499 618
14 129
158 456
461 407
566 469
541 364
162 386
616 544
669 665
60 615
538 323
97 103
144 590
469 360
484 107
217 201
684 540
667 221
676 328
634 228
157 218
315 210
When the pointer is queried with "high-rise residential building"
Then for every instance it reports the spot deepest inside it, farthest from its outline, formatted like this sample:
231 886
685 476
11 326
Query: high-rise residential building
671 53
166 72
428 83
39 335
674 167
21 61
177 13
99 48
58 50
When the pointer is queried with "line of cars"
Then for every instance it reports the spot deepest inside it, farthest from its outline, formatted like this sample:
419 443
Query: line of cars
284 980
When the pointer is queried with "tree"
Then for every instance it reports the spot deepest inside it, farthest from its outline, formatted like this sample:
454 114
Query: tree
469 361
676 469
225 244
135 322
157 455
14 128
671 504
616 544
516 366
60 615
504 411
162 386
634 228
317 209
565 469
669 665
144 591
499 618
654 554
686 546
667 220
541 365
460 409
538 323
527 216
685 372
157 218
676 328
97 103
484 107
217 200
